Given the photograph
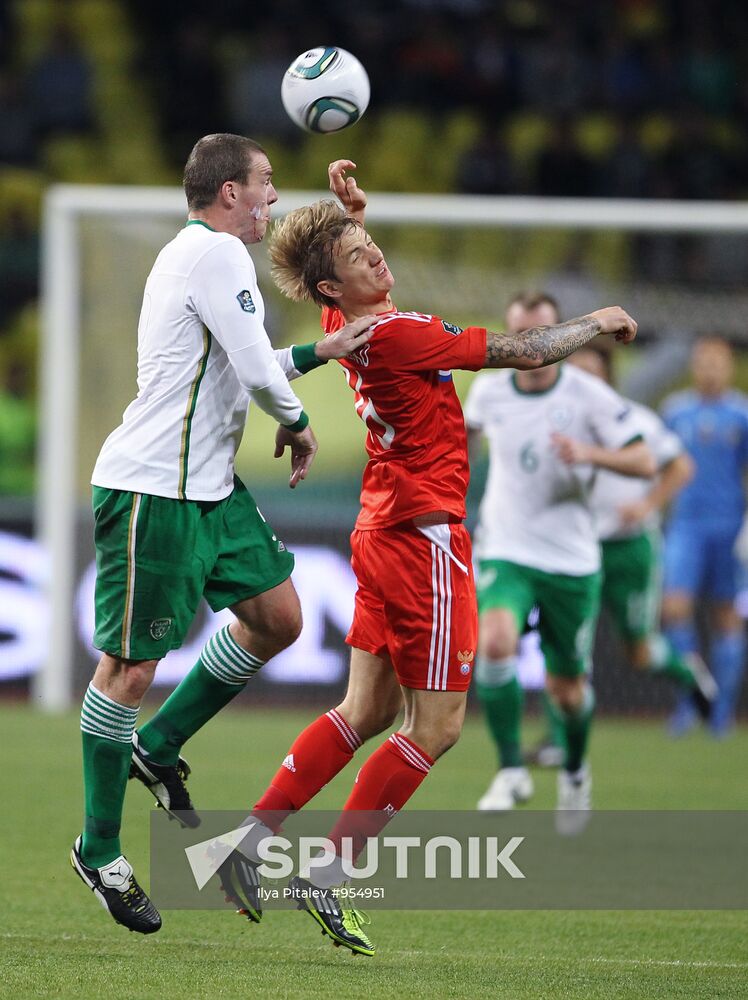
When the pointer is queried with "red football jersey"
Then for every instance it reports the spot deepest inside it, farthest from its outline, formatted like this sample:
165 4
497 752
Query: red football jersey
416 438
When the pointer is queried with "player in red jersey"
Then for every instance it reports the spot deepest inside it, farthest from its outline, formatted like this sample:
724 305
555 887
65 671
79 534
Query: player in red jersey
414 629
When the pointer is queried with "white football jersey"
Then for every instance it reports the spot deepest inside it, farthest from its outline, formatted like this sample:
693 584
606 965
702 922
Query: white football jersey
535 510
202 352
611 491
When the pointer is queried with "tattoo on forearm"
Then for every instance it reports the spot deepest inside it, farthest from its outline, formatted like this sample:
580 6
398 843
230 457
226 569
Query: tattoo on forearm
542 344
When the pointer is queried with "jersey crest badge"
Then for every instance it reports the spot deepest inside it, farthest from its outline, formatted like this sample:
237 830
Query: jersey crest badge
465 659
159 627
560 417
245 301
452 328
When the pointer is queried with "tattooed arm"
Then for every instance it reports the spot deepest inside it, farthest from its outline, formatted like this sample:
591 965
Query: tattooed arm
544 345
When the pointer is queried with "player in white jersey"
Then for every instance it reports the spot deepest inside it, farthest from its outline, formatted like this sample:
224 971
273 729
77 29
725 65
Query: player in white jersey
537 545
627 514
172 521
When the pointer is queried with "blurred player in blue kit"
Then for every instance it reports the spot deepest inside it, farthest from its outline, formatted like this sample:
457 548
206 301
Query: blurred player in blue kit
700 562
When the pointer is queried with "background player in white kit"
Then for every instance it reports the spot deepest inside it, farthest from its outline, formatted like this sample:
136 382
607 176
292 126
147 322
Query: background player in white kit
536 544
173 523
627 513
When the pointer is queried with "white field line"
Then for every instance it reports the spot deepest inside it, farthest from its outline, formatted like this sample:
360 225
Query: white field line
442 953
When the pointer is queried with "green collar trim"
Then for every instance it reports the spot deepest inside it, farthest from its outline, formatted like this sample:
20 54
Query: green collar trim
199 222
536 392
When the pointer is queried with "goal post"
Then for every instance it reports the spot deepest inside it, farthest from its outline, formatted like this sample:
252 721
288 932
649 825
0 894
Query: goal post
460 256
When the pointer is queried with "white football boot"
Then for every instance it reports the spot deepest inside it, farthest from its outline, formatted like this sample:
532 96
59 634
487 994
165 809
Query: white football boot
510 786
574 804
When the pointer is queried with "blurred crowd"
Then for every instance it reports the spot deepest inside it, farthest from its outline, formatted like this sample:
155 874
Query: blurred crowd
633 98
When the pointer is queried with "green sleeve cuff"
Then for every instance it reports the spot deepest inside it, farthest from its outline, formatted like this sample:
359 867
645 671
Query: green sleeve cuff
634 440
304 358
300 424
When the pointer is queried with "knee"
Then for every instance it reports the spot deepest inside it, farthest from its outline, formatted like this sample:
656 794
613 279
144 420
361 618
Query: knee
126 681
139 677
437 740
287 629
449 736
371 720
445 739
567 692
499 641
275 632
676 608
726 619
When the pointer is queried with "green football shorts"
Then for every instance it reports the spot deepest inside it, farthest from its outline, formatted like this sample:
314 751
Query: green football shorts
632 579
569 609
156 557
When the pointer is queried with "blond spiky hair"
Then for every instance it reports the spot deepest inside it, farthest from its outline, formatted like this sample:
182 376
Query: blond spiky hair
302 250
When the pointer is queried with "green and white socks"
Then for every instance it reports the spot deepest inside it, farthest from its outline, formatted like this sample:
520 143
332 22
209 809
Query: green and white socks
216 679
502 697
107 729
575 724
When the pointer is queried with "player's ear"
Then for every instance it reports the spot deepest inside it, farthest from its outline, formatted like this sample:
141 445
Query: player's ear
329 288
227 194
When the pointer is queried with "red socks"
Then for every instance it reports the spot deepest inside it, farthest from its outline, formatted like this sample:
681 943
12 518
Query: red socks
383 786
316 756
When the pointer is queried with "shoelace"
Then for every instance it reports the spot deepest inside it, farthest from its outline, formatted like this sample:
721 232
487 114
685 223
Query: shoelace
135 898
355 920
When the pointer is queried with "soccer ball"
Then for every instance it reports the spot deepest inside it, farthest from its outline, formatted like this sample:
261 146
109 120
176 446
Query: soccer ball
325 90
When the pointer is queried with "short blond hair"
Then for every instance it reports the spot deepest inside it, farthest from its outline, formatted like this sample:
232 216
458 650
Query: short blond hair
302 250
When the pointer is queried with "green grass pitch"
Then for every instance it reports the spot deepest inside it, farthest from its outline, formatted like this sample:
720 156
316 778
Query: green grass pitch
56 941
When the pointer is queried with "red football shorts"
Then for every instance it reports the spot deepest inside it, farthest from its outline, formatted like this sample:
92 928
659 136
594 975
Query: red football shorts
416 603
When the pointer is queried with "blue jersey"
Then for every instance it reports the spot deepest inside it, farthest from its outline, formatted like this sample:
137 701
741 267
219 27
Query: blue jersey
715 434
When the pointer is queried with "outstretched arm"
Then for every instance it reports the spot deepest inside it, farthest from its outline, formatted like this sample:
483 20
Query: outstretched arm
544 345
303 358
634 459
346 190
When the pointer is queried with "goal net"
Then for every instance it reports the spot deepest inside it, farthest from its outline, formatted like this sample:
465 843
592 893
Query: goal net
678 268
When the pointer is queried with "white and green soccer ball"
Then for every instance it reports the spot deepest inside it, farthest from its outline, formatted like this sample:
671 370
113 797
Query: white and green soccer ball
325 90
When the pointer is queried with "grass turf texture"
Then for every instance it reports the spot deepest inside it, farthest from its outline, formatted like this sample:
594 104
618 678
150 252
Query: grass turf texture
55 939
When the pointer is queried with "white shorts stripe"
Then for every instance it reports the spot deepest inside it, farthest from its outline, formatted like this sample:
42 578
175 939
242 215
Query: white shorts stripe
430 678
441 623
130 596
447 620
440 559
